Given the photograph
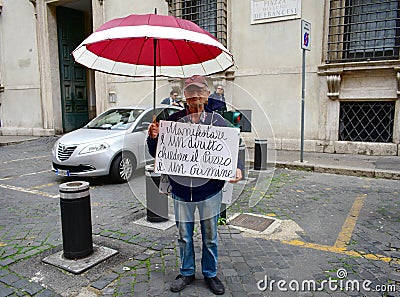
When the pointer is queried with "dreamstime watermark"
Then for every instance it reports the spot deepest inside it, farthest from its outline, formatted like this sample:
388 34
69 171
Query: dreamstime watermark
340 284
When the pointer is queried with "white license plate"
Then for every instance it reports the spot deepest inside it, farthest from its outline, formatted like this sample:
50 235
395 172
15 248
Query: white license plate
62 172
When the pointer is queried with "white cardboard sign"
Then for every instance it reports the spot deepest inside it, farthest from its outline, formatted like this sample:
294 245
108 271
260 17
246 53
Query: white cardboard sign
195 150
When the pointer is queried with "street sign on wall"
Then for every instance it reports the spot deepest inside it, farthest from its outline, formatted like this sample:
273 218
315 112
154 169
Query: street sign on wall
263 11
305 35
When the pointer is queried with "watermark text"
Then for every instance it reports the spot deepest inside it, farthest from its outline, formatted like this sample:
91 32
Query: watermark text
331 284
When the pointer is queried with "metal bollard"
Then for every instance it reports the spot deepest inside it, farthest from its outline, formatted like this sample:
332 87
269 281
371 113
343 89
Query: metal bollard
76 219
242 156
156 202
260 154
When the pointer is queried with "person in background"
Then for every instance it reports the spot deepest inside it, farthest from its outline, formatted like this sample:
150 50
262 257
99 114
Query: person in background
216 101
189 193
172 99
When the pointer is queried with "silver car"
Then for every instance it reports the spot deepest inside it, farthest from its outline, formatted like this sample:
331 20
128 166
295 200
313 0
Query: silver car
113 143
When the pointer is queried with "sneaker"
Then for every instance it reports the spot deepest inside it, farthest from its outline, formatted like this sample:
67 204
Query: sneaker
180 282
215 285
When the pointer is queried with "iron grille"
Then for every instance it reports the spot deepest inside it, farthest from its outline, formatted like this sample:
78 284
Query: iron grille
366 121
211 15
361 30
64 151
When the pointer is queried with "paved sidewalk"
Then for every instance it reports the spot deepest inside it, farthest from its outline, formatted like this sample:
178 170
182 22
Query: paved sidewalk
331 227
346 164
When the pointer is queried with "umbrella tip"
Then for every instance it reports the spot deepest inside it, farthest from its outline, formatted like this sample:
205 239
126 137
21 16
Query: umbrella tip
155 10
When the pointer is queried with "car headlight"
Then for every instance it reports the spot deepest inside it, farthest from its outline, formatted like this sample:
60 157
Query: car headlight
94 147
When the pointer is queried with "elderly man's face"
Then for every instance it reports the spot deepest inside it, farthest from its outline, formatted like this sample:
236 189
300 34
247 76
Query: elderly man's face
196 97
220 90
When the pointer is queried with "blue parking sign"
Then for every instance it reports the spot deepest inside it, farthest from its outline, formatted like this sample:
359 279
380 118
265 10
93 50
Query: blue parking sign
305 35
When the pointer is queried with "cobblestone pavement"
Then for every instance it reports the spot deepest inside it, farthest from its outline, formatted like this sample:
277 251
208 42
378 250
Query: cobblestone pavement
343 226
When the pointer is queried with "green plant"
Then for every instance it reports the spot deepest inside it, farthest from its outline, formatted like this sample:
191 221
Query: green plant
222 221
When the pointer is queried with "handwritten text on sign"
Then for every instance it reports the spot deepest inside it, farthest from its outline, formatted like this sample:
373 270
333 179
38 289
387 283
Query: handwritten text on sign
197 150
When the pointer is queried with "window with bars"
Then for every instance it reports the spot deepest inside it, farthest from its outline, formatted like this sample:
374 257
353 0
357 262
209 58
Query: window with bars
211 15
366 121
361 30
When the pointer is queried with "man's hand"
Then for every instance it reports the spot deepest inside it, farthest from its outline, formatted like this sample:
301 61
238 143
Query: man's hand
153 129
238 176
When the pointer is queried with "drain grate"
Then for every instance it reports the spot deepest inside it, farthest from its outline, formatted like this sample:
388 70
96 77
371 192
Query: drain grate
251 222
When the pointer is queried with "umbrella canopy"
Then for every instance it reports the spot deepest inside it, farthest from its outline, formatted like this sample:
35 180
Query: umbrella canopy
132 45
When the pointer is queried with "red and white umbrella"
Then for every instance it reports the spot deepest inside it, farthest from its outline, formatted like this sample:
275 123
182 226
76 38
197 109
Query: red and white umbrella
133 45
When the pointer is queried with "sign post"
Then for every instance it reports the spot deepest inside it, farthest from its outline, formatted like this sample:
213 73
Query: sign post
306 46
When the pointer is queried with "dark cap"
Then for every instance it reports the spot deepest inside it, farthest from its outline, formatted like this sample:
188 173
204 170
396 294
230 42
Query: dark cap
196 80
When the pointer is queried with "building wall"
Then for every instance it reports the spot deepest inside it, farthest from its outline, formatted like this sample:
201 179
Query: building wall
266 79
21 111
375 81
132 91
269 66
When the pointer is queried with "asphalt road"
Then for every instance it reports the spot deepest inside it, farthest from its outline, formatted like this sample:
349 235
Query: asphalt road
327 223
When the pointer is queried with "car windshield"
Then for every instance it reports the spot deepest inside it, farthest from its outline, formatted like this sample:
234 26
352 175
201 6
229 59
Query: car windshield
115 119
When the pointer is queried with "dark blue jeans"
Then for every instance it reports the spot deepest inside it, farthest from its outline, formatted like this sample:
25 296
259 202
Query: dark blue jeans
209 210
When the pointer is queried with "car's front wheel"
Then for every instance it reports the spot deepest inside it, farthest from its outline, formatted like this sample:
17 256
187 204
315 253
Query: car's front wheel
123 167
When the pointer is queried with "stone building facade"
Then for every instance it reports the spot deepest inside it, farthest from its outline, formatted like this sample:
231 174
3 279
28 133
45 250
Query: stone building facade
352 72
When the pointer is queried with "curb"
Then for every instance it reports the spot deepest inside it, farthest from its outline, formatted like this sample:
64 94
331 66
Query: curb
361 172
12 142
16 141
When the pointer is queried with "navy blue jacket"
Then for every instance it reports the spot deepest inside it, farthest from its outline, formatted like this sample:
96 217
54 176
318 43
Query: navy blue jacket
193 188
216 102
167 101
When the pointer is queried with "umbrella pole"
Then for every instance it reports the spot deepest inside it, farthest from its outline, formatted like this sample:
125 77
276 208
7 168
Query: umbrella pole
154 74
154 69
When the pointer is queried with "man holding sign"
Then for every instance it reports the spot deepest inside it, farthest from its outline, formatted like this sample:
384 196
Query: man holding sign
194 153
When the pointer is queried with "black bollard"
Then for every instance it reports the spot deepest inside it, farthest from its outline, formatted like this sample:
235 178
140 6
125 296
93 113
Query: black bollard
76 219
260 154
242 156
156 202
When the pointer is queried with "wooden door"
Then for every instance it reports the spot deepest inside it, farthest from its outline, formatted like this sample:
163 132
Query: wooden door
71 32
